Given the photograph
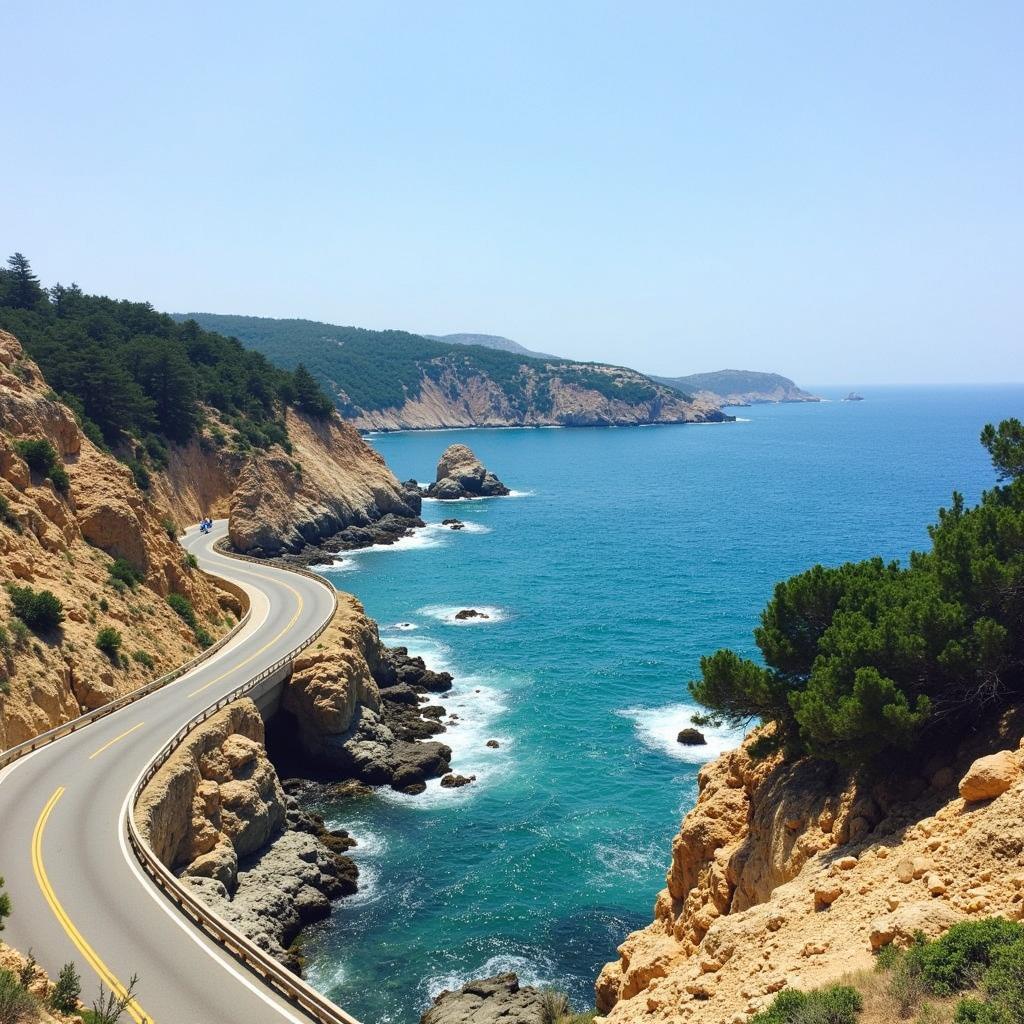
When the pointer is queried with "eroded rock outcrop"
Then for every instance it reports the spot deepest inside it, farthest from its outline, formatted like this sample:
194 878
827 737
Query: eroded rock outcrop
460 474
488 1001
216 814
352 708
65 540
331 482
791 875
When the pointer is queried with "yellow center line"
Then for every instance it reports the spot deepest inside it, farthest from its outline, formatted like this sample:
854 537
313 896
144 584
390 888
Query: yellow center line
134 1010
108 745
268 644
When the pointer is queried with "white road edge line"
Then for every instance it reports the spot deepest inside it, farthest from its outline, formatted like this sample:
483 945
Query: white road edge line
164 903
199 939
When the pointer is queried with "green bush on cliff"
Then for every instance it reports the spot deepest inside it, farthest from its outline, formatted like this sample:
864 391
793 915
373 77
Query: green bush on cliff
870 658
109 641
837 1004
42 458
39 610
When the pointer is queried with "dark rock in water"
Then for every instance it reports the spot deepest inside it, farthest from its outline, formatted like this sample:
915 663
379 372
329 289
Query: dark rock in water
434 711
460 474
417 762
691 738
471 613
398 667
453 781
413 789
488 1001
493 744
453 524
400 693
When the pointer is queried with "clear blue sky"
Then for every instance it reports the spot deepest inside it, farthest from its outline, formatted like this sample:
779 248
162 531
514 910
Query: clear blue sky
834 191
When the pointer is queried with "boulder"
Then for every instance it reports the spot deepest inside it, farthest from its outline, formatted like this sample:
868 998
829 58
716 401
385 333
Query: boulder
691 738
470 613
453 781
460 474
989 776
488 1001
493 744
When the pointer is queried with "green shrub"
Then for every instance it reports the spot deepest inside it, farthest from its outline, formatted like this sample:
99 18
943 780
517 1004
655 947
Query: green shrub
203 638
837 1004
972 1011
109 641
1003 984
19 634
7 516
16 1005
40 610
170 528
140 474
143 658
64 997
956 961
104 603
191 562
39 454
123 570
888 957
5 905
183 607
61 480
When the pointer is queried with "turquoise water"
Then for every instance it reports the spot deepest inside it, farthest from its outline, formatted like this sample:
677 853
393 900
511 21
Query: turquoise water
626 554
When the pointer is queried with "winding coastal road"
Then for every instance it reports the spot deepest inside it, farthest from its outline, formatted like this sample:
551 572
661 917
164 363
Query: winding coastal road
77 889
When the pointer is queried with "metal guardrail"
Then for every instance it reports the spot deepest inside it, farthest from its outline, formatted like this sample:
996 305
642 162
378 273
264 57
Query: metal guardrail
278 977
12 754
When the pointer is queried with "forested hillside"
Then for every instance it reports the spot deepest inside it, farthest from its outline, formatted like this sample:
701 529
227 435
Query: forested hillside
138 380
392 379
740 387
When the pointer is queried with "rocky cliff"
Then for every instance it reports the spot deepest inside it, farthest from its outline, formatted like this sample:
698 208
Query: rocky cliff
551 397
216 814
352 709
280 501
65 539
791 875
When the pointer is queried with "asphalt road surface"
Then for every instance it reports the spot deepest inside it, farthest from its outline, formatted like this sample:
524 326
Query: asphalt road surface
77 891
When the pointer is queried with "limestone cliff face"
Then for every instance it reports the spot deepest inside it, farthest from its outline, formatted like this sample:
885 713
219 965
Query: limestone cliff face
340 481
279 501
334 679
479 401
65 542
790 875
217 799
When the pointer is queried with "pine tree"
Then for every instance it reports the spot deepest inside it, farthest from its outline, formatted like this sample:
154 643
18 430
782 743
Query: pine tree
24 290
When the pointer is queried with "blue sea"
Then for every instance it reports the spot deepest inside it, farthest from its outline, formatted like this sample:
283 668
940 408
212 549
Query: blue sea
622 557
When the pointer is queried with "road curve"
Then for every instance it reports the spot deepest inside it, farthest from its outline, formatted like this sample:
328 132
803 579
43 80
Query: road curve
77 891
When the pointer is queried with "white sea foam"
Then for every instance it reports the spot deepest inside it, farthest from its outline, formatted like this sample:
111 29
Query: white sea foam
540 974
657 728
743 419
446 613
405 627
520 494
471 527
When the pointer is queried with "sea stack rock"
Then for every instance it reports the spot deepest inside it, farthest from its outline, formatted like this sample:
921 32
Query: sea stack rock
460 474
